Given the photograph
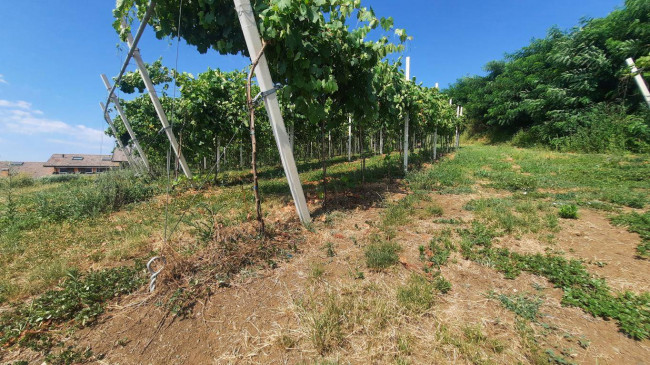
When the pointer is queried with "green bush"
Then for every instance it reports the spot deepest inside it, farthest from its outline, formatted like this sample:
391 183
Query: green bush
381 255
17 181
568 211
60 178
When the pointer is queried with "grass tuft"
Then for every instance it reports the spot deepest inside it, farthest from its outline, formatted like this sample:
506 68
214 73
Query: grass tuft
417 296
381 255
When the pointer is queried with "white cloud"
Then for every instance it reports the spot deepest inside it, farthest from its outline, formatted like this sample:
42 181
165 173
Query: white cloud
2 79
18 117
15 104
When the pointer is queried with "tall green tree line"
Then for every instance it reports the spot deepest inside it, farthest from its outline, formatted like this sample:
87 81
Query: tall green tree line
571 90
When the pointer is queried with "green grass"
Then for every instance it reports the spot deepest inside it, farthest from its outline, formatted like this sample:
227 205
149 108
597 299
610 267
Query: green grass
605 179
77 222
381 255
417 296
514 215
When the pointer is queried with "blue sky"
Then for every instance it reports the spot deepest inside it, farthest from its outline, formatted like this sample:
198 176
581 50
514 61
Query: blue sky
52 52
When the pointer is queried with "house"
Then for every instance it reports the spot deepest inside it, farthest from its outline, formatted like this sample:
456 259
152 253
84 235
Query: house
33 169
120 157
68 163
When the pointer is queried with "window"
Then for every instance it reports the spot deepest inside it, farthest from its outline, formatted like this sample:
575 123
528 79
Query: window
16 163
107 158
77 158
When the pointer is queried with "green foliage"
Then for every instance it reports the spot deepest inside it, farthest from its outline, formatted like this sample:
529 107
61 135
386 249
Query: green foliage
80 298
601 128
571 90
568 211
381 255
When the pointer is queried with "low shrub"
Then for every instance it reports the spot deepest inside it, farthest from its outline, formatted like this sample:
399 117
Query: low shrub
568 211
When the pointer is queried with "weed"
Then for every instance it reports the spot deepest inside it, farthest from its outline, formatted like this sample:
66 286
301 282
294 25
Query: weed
554 358
434 210
404 344
522 305
329 247
568 211
448 221
417 296
326 332
80 298
441 284
316 271
439 249
381 255
286 342
69 356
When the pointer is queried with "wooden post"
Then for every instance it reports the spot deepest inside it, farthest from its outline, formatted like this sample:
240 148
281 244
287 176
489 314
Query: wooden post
116 101
157 105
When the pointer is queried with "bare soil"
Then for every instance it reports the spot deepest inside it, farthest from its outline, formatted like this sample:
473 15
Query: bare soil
259 318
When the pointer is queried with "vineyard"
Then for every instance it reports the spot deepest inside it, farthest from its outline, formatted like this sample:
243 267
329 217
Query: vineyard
322 206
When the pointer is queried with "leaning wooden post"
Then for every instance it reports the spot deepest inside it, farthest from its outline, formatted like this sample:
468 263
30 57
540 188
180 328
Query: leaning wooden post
406 120
117 138
639 80
263 75
116 101
156 104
